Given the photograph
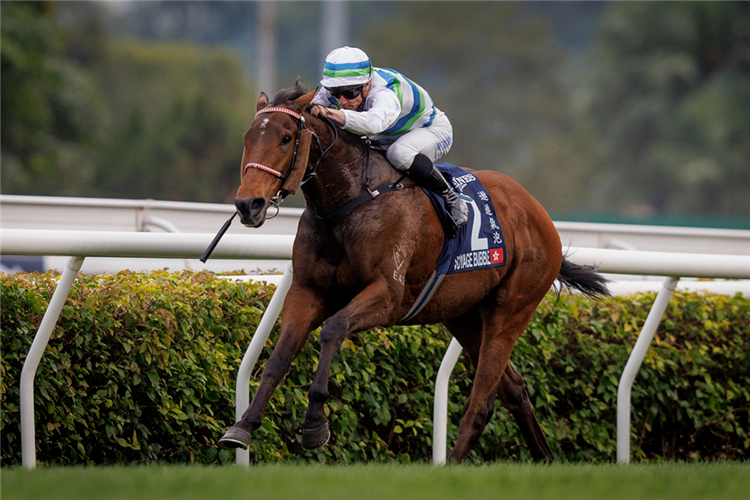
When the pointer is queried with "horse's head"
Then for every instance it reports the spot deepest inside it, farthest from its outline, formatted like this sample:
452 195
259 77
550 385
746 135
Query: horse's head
277 146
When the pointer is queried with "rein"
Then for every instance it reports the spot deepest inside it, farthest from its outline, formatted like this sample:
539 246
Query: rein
360 200
370 194
335 130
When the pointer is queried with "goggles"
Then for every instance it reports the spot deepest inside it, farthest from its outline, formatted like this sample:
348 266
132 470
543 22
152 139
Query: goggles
347 92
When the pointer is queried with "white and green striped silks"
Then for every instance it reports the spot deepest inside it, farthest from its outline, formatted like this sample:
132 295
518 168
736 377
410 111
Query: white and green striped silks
417 109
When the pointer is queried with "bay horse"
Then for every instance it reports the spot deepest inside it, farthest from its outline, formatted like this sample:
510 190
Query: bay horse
360 265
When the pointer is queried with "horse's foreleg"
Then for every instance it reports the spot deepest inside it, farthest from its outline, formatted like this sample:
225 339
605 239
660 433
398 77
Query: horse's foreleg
368 309
514 397
303 312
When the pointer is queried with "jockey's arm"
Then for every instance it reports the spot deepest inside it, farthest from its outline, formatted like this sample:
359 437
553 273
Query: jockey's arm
382 112
383 109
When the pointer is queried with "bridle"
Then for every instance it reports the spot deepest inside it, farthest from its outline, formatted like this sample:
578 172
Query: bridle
300 126
283 193
370 194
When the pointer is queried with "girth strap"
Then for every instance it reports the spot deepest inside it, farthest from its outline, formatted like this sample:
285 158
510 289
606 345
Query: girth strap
359 200
424 297
368 195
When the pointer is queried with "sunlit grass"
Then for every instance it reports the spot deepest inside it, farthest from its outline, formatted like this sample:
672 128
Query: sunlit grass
413 482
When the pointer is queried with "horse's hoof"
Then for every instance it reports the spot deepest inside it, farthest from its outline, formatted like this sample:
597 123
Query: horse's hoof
236 438
315 438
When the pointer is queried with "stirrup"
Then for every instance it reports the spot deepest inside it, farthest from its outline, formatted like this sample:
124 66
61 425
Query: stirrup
456 225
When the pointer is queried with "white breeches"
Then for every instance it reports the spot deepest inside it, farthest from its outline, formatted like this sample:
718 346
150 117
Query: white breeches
433 141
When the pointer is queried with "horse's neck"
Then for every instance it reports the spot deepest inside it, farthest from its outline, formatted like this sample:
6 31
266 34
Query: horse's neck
341 176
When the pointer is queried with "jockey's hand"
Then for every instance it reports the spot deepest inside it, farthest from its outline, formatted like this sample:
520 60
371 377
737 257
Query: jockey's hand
335 115
317 109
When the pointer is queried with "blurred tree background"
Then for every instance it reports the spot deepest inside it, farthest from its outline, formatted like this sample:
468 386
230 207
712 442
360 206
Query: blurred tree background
671 101
622 111
86 113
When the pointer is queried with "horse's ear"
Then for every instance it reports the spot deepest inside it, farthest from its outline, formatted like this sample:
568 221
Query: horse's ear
262 101
301 103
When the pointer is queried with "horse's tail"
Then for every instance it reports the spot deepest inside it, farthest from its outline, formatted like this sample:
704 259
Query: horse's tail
584 279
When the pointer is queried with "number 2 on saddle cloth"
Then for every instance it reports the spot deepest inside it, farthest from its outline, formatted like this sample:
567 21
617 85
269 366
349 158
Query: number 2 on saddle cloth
478 244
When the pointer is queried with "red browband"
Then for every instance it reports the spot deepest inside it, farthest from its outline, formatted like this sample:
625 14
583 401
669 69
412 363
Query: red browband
282 110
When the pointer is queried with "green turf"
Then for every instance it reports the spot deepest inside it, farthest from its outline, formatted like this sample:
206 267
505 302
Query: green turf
724 481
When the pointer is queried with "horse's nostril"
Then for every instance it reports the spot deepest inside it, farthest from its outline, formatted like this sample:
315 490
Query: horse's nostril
250 206
242 205
257 205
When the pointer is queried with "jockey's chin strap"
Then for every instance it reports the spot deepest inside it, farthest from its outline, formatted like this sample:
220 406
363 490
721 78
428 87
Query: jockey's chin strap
283 193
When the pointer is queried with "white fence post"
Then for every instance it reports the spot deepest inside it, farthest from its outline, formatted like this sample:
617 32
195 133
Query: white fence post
634 363
28 372
440 411
242 389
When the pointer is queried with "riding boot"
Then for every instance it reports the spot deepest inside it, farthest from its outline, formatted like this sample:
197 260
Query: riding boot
424 173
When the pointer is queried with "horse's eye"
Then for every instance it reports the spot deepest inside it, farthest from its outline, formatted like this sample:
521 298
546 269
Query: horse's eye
286 139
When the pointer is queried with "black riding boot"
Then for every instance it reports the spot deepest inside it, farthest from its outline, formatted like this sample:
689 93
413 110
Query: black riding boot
424 173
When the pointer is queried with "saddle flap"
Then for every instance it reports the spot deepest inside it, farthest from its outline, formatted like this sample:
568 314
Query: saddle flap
293 181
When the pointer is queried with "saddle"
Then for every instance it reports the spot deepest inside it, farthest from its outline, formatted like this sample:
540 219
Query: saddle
477 245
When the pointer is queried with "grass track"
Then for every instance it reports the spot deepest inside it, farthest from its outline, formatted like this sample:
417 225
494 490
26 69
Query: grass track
724 481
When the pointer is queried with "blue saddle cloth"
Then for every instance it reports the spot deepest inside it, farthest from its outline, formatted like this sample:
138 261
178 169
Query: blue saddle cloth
478 245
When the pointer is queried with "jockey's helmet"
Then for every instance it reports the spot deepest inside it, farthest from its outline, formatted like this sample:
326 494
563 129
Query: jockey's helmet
346 66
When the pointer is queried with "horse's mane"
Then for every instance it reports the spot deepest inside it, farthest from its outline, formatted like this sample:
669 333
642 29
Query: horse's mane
284 96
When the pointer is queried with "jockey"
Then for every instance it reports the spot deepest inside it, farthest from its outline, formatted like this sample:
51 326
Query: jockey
395 113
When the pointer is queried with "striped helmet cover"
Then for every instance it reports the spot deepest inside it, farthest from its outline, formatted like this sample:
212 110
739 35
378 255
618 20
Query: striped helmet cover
346 66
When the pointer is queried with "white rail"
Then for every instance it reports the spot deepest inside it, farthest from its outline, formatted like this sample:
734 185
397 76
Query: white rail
81 244
97 214
103 214
121 244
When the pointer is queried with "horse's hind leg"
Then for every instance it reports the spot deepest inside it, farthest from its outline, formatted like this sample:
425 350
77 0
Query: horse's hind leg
467 329
514 397
500 330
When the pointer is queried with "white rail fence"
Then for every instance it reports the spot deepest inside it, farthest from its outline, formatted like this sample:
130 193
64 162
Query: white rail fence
82 244
102 214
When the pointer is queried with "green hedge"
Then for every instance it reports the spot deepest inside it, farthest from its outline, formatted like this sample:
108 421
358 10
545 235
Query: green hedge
141 369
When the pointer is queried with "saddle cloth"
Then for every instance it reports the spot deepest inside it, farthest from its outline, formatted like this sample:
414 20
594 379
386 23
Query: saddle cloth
478 244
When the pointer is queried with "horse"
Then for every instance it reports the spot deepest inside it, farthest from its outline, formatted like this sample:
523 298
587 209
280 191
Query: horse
361 257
